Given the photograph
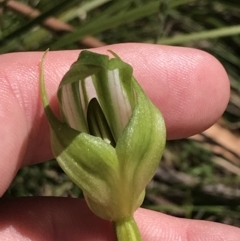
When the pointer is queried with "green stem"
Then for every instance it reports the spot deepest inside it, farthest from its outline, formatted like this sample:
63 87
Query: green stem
127 230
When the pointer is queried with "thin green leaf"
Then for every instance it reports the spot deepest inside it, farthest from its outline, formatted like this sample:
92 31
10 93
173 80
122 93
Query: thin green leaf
107 23
208 34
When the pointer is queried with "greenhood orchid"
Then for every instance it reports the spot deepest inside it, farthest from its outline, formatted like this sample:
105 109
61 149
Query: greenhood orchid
110 138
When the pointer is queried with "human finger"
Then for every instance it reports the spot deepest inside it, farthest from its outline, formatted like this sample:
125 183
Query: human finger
180 81
63 219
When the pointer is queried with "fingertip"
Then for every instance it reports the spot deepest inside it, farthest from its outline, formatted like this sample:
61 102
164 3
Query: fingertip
197 92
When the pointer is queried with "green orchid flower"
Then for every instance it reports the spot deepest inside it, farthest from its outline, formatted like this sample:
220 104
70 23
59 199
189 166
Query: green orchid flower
110 138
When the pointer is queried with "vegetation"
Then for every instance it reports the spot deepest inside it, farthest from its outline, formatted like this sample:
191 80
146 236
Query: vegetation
198 177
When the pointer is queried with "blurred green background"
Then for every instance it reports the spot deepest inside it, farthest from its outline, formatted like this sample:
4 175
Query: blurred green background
198 177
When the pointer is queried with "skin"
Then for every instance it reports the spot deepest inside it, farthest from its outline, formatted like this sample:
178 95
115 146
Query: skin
189 86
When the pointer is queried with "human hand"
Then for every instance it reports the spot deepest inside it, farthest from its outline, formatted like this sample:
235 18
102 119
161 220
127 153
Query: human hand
189 86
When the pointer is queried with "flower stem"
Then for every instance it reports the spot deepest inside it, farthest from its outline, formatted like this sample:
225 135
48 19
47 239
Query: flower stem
127 230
